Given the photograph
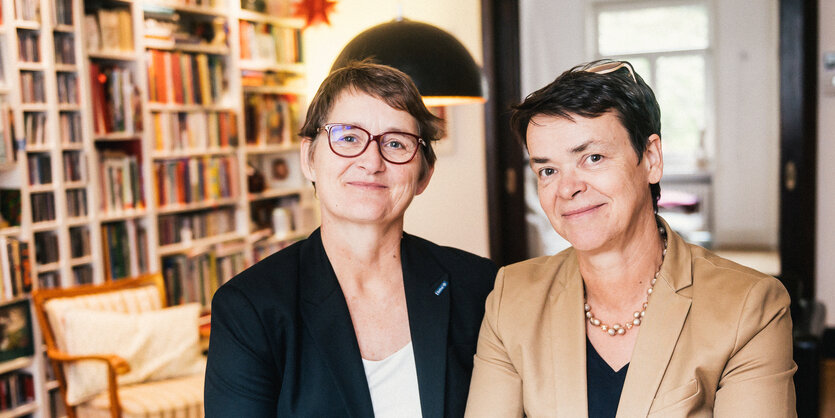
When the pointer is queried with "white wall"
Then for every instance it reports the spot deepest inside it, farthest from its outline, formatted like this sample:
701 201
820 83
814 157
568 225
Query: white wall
825 269
554 38
453 210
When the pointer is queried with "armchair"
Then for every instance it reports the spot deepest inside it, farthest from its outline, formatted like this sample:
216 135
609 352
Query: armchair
129 317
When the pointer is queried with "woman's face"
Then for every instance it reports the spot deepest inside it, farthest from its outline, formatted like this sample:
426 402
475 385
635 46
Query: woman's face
591 185
365 188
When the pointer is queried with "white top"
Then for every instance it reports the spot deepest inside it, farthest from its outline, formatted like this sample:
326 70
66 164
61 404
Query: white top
393 384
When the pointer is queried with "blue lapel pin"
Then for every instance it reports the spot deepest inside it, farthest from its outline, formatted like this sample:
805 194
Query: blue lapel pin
441 287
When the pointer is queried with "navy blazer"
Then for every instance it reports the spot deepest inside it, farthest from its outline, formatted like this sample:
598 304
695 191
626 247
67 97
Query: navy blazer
283 344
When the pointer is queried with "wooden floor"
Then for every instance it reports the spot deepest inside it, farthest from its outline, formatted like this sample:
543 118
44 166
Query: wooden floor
828 389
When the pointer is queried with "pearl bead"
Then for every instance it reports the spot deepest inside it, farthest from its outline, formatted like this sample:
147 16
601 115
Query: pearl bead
636 321
595 321
611 331
621 331
636 314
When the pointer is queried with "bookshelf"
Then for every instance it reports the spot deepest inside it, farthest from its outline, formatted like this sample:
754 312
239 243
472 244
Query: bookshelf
145 136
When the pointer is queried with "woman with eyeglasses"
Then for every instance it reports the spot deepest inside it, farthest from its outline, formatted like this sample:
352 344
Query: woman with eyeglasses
360 319
631 321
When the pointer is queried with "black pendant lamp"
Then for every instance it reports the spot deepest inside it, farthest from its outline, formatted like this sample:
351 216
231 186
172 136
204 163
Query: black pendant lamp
443 70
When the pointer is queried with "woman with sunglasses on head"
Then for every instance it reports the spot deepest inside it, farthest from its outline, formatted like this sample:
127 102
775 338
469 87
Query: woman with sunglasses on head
360 319
631 321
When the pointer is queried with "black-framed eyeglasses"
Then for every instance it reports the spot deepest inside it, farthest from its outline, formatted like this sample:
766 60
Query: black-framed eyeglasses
610 66
349 141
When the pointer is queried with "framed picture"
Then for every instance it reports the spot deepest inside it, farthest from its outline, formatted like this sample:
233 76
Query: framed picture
15 331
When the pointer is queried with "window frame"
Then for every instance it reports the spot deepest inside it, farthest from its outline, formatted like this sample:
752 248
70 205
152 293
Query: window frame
675 163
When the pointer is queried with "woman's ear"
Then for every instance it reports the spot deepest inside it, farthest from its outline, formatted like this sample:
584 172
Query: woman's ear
654 159
306 159
424 182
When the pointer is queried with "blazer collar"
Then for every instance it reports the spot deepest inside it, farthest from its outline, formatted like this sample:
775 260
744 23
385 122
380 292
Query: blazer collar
327 317
666 312
428 300
568 338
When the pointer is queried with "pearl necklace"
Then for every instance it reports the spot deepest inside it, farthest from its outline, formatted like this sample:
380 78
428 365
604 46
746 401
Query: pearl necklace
638 316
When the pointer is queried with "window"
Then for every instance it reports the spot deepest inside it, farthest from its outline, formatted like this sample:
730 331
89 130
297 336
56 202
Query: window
668 43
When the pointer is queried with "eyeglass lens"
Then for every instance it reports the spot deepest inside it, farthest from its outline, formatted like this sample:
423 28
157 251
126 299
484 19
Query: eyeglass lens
351 141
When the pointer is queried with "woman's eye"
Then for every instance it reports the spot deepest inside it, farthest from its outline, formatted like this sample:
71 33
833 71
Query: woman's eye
546 172
394 145
348 138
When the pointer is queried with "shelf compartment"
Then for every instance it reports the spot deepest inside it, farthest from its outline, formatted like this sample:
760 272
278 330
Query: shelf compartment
123 215
186 246
272 149
184 153
271 194
18 363
113 55
253 65
286 22
118 136
189 207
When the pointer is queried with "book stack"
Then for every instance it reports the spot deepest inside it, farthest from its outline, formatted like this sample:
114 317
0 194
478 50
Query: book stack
197 179
268 44
109 30
121 182
115 99
16 389
15 268
194 130
183 78
194 277
185 227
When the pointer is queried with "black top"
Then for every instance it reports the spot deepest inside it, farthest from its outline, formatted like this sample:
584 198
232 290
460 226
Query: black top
604 385
283 343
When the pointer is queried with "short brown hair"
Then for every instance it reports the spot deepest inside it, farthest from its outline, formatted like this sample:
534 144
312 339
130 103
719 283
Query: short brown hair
385 83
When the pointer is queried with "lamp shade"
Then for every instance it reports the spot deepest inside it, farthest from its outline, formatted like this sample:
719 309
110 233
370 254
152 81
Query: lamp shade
443 70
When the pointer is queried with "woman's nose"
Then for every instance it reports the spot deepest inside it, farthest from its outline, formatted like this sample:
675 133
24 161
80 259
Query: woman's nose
372 159
570 185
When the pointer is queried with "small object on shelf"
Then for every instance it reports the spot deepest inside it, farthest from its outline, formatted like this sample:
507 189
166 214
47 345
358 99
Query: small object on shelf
15 331
254 179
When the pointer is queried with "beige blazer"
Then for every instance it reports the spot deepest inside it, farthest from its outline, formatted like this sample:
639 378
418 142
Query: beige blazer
716 340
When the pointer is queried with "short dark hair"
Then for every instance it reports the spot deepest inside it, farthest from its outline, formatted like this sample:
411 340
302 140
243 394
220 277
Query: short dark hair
385 83
581 92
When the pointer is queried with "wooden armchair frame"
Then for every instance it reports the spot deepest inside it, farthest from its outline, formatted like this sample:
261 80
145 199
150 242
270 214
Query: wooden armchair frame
115 364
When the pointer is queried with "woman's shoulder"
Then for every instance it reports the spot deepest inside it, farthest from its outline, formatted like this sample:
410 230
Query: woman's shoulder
276 274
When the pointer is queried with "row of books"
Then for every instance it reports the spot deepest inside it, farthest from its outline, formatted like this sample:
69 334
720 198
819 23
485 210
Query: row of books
43 207
76 203
196 225
109 29
121 182
75 166
195 179
63 12
125 247
185 78
195 277
116 101
16 388
31 87
46 247
69 123
40 169
7 147
27 45
49 280
79 242
34 128
82 274
165 28
194 130
269 118
270 44
28 10
64 48
67 88
15 268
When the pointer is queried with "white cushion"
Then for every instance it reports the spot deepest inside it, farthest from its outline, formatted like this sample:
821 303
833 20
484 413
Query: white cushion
157 344
180 397
140 299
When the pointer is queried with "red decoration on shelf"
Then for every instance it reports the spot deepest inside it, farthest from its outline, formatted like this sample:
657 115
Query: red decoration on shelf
314 11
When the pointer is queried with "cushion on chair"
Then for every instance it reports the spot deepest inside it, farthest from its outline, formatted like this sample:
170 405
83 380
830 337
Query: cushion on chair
158 344
181 397
141 299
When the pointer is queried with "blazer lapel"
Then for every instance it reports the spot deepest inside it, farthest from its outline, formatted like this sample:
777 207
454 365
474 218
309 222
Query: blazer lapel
427 299
326 316
666 312
568 339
